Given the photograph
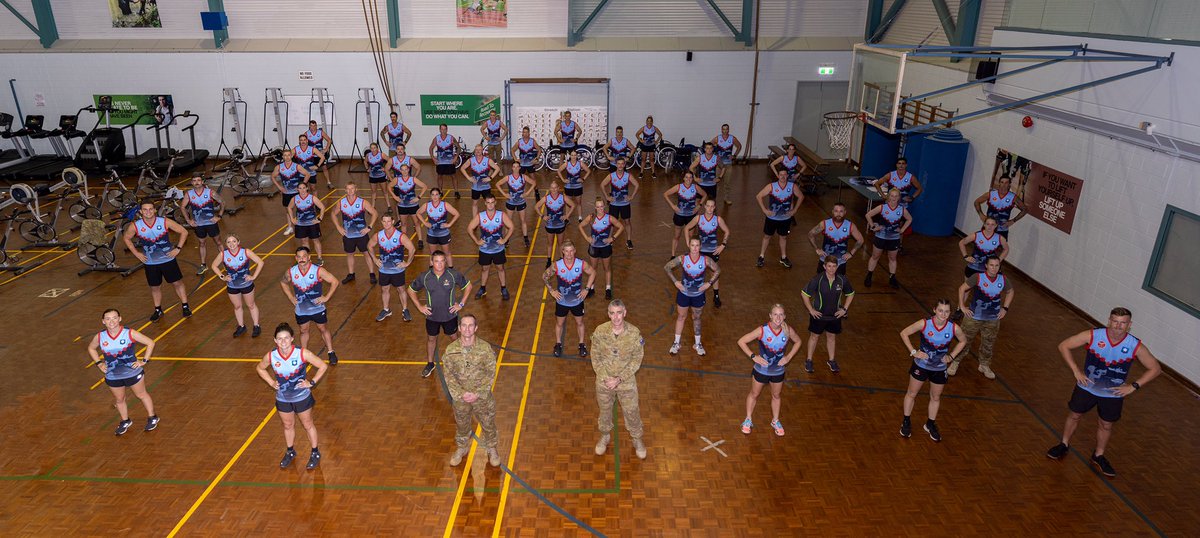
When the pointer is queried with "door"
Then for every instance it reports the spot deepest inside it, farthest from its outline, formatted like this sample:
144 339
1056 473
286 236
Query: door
813 100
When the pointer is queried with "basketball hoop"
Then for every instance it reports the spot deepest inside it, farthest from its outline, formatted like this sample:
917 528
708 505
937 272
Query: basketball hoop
840 125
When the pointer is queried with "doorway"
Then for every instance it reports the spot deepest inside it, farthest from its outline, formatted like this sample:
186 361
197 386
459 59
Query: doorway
813 100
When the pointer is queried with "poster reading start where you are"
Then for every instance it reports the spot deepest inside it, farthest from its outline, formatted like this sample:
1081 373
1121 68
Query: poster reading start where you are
482 13
134 13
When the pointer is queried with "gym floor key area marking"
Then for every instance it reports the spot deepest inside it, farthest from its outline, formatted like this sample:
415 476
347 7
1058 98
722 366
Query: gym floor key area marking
714 446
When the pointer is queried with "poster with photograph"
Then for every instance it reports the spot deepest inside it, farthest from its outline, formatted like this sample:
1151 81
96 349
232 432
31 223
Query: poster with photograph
482 13
1049 195
143 109
134 13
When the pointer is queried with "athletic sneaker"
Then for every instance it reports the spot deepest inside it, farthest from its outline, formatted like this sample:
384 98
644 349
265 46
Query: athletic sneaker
786 263
583 352
808 366
1106 468
479 293
420 244
558 349
761 262
987 371
123 426
288 231
255 332
906 428
608 294
932 429
383 314
373 279
314 460
591 292
240 330
602 444
747 425
349 278
867 281
580 218
1056 452
639 448
151 423
320 262
200 270
548 262
158 313
332 358
893 282
288 456
833 366
405 315
629 244
699 349
493 457
526 241
778 427
428 370
953 368
504 294
187 311
457 457
717 300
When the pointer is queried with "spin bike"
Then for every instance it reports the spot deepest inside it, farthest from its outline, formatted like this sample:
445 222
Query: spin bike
20 195
236 176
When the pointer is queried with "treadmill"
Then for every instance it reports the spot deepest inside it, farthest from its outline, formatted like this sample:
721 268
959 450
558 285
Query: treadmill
20 152
153 156
186 159
60 139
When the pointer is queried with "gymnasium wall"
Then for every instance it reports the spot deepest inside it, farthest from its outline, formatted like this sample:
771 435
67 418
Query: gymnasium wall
1102 263
688 99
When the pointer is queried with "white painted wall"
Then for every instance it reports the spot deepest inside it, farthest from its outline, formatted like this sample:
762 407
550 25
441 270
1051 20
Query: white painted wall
688 99
1102 263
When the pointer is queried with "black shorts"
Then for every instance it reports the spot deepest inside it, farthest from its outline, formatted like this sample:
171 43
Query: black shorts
287 198
969 271
320 318
887 245
376 180
841 270
308 231
620 211
528 169
240 291
512 207
687 301
765 379
645 147
573 191
937 377
169 271
1083 401
446 169
446 327
778 227
820 326
391 279
207 230
479 195
437 239
402 210
296 407
1003 233
600 252
681 220
125 382
710 190
561 311
555 231
353 244
498 258
715 257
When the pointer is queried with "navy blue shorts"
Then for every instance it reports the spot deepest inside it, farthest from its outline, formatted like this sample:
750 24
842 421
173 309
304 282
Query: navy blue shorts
296 407
240 291
125 382
687 301
319 318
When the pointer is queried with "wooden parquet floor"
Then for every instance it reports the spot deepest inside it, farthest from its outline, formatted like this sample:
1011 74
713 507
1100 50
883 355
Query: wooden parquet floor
211 467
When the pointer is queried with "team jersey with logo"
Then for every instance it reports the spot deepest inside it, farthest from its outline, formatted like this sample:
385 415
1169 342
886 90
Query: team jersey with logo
984 246
693 274
516 189
154 240
117 353
1107 363
375 161
835 238
307 287
306 210
987 296
493 132
780 200
406 189
555 209
771 346
354 217
570 282
707 230
444 149
437 217
1000 208
480 169
935 342
601 230
491 230
391 251
620 188
237 266
289 177
708 169
889 220
290 368
203 206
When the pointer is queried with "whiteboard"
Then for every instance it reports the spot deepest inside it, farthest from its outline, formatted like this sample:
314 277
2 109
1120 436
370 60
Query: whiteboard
298 108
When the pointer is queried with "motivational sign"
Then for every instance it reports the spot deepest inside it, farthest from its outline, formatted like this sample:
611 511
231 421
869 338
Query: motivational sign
457 109
1049 195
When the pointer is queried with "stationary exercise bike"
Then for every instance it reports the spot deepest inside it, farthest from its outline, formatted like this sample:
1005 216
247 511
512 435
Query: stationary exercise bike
84 208
38 230
20 194
149 181
235 175
97 247
115 193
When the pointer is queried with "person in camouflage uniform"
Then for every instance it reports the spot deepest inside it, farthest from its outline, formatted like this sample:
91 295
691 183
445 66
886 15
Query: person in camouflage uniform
470 366
617 349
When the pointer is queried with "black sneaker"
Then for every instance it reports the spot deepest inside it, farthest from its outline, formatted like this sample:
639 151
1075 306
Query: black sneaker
893 282
420 244
123 426
373 279
558 349
255 332
479 293
808 366
158 313
608 294
717 300
428 370
504 294
332 358
526 241
187 311
761 262
151 423
867 281
629 244
786 263
548 262
314 460
383 314
1056 452
583 352
932 429
833 366
457 195
906 428
406 315
240 330
288 456
349 278
591 293
1106 468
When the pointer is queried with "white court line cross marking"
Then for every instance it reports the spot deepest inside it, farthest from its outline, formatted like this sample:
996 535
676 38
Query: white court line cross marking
713 446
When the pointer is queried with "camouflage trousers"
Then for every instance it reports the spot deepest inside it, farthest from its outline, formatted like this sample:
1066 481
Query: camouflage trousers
627 394
484 411
987 331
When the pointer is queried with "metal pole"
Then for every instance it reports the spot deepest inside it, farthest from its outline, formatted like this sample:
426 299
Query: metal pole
12 85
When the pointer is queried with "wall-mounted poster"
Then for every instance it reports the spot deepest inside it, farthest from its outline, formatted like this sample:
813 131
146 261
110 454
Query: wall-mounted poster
134 13
482 13
144 109
457 109
1049 195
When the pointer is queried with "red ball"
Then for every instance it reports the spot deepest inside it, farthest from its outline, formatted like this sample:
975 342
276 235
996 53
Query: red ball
1027 122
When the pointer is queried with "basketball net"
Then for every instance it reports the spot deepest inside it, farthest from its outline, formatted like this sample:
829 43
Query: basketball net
839 126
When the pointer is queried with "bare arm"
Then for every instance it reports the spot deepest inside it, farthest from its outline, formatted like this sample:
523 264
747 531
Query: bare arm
144 340
744 343
980 204
906 336
258 265
1067 346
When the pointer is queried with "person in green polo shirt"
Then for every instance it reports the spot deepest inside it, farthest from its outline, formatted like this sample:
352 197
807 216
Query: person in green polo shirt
828 290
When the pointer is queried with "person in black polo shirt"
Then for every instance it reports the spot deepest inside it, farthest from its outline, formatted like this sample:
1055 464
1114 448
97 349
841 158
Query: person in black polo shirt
446 291
828 289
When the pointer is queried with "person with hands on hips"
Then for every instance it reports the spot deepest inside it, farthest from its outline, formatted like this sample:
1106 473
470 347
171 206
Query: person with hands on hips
156 251
446 291
232 266
112 351
288 377
304 284
769 362
990 294
828 289
930 361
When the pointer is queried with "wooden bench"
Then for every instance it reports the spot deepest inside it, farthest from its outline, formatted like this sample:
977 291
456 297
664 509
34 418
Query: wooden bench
815 176
776 152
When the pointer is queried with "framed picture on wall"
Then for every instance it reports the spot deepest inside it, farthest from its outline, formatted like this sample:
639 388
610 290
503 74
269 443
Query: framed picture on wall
482 13
134 13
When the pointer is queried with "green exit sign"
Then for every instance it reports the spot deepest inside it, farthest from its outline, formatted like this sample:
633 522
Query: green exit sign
826 70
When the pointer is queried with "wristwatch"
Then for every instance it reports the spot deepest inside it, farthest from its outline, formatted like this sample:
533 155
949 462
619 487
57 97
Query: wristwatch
313 383
912 353
1135 385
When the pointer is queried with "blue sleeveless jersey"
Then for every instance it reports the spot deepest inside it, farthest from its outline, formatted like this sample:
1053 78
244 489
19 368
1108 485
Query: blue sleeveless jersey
375 164
555 209
444 149
306 157
306 210
406 189
479 173
648 134
526 150
154 240
984 246
237 265
307 287
707 170
904 184
570 282
889 220
568 130
725 148
792 165
316 138
693 275
493 132
601 230
707 230
935 342
437 217
1000 208
118 355
391 252
619 147
354 217
396 162
686 199
1107 363
620 189
290 368
780 201
835 238
771 346
987 296
289 176
203 206
395 132
516 189
574 173
491 230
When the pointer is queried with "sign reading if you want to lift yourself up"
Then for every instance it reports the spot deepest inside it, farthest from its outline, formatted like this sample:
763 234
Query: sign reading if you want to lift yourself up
1049 195
457 109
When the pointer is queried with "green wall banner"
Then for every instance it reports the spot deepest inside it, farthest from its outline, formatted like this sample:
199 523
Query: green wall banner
126 108
457 109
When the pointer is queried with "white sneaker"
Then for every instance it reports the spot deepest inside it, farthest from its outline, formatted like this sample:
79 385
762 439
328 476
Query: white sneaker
674 349
288 231
699 349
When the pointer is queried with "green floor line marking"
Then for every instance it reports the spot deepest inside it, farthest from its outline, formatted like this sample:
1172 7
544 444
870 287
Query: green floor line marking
367 487
53 469
149 386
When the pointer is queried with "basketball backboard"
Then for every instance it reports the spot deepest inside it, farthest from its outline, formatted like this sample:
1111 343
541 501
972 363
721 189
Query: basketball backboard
876 79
